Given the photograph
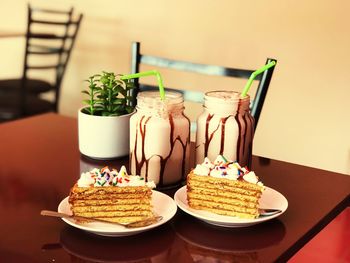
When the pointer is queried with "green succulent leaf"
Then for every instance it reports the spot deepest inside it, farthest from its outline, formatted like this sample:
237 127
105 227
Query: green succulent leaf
87 102
129 109
118 101
87 110
107 94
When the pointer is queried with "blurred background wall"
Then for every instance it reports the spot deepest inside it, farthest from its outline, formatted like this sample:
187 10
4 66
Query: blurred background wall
305 119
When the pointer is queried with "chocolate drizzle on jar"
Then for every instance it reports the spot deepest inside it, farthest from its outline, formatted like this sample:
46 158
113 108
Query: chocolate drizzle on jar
222 143
169 157
141 160
140 127
225 127
246 132
209 137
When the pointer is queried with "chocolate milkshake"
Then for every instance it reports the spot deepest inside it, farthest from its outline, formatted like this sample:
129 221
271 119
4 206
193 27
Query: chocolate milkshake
160 139
225 128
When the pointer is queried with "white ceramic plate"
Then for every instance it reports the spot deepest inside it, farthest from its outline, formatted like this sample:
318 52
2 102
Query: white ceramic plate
269 199
163 205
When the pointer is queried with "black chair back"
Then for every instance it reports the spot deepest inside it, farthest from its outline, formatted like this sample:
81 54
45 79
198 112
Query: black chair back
257 103
50 38
56 40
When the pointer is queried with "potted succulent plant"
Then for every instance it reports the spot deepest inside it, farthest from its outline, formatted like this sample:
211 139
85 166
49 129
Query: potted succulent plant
103 124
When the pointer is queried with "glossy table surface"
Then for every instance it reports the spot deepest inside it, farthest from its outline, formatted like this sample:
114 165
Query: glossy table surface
40 161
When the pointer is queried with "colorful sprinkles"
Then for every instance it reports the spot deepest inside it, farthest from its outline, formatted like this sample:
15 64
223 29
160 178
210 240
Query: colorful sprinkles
105 177
223 168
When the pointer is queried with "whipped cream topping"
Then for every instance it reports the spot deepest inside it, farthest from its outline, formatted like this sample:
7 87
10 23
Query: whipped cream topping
106 177
223 168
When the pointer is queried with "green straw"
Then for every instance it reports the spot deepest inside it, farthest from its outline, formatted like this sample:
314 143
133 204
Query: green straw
145 74
253 76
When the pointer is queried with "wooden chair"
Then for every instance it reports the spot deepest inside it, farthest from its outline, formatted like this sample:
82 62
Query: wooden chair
195 96
50 36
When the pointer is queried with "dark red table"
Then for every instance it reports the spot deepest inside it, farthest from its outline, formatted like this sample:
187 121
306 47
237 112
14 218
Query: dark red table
40 161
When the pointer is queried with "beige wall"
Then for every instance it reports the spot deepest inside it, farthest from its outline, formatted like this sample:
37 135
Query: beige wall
306 115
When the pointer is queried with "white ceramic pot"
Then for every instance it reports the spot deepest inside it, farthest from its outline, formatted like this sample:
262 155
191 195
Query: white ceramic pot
103 137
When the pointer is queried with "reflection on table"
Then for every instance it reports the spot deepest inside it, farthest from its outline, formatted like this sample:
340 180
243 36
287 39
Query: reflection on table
206 242
85 247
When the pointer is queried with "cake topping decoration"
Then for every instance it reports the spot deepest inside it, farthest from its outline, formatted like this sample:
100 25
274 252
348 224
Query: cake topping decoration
106 177
202 169
220 160
223 168
86 179
251 177
123 172
207 163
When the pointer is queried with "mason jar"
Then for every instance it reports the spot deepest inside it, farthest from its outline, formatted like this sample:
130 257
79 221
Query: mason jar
160 139
225 127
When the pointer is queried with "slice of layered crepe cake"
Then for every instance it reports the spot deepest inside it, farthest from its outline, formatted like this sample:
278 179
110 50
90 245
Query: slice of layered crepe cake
112 196
224 188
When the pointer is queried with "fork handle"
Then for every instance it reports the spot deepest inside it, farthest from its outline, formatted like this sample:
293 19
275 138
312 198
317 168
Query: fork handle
54 214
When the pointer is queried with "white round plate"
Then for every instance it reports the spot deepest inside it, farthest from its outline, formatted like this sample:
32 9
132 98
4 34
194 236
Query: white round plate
269 199
163 205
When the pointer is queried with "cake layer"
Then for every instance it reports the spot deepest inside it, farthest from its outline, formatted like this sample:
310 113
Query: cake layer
225 191
117 219
110 201
110 196
222 183
224 194
97 214
123 219
222 206
104 208
218 199
142 190
208 187
219 211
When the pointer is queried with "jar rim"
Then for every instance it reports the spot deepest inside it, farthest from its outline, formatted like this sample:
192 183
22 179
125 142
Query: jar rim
150 102
222 95
154 96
